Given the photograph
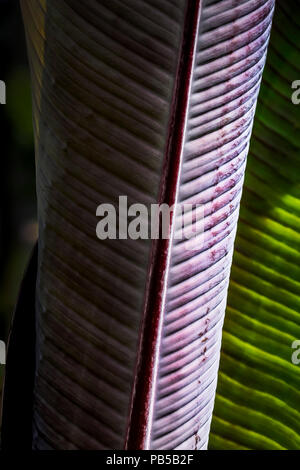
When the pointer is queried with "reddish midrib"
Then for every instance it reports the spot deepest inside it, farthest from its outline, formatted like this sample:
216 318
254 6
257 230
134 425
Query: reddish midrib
140 416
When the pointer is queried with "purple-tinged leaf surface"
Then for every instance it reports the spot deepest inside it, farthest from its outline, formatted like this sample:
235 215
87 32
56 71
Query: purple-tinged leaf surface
154 100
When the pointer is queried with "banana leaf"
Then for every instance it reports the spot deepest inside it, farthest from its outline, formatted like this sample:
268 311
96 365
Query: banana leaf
258 398
154 100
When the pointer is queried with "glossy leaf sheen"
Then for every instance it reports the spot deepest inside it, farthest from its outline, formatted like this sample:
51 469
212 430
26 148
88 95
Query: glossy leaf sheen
218 129
154 100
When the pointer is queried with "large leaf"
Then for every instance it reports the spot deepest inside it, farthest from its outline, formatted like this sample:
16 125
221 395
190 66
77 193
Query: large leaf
258 400
153 100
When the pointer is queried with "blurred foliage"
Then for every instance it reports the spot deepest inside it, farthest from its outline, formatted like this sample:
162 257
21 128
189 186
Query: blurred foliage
17 189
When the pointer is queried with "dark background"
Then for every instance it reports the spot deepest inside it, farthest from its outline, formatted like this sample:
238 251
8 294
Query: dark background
18 228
